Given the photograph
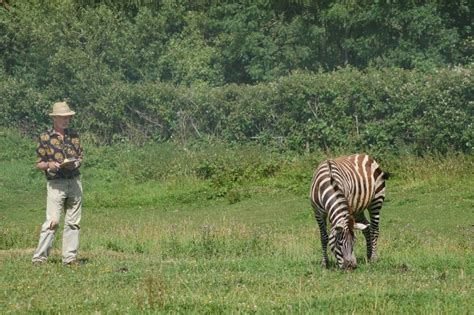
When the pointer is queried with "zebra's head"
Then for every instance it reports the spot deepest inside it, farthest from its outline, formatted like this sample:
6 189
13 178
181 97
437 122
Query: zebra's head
341 241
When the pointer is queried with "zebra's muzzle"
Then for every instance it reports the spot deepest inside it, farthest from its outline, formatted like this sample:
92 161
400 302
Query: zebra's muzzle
349 264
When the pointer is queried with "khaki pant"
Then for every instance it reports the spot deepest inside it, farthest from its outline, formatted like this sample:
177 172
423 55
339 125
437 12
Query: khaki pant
64 195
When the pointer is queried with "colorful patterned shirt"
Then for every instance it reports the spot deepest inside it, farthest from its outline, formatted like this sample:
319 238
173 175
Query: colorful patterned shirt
53 148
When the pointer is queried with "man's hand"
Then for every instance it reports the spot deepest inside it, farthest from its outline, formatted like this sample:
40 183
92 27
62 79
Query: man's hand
54 166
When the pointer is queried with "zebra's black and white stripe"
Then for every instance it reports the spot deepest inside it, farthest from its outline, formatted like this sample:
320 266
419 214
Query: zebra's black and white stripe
341 190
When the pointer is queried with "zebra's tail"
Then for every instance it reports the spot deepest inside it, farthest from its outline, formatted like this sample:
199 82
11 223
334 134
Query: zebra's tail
331 178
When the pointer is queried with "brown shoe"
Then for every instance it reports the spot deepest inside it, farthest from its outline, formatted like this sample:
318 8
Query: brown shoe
73 263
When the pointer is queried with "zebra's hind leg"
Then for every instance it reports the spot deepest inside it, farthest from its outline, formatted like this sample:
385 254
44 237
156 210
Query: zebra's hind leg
321 219
368 238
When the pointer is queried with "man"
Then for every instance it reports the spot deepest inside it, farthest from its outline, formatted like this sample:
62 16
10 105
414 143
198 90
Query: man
60 156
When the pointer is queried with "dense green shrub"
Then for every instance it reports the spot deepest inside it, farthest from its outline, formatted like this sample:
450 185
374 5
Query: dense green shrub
371 110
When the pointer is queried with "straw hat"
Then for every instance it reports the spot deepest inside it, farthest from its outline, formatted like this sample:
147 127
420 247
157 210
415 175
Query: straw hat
61 109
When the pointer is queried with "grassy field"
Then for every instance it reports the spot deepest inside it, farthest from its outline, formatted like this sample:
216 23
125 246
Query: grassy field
178 243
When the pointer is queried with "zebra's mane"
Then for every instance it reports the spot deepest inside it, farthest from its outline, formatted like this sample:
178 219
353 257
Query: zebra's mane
351 221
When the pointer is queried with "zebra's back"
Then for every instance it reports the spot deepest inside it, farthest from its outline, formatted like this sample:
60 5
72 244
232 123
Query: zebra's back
358 177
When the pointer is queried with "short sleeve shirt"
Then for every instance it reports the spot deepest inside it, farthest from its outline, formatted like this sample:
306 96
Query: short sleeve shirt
54 148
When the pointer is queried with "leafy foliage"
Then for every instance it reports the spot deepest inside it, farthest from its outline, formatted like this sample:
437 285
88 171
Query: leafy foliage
299 75
227 42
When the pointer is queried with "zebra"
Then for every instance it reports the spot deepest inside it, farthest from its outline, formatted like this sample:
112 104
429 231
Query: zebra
342 189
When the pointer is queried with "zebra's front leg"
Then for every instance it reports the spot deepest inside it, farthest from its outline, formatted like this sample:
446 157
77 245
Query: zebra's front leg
374 231
321 219
368 237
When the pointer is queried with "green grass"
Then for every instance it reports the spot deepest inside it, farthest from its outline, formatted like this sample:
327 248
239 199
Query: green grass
176 244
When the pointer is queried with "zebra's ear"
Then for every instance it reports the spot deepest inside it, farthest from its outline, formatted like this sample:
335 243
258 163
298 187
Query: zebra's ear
360 226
